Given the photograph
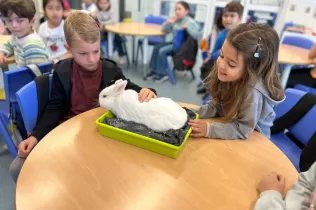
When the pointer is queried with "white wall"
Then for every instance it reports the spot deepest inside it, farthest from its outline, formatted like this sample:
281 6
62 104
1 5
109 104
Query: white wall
297 12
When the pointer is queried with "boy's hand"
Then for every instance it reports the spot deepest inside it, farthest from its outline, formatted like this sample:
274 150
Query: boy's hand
199 128
3 58
207 59
145 95
272 181
26 146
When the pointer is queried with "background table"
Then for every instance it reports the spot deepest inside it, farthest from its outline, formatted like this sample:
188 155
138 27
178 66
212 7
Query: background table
4 39
74 167
290 56
134 29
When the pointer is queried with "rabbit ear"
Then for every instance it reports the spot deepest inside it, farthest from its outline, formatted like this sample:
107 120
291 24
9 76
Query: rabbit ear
118 81
120 86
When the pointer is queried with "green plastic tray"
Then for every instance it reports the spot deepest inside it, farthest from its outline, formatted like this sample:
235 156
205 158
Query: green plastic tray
137 139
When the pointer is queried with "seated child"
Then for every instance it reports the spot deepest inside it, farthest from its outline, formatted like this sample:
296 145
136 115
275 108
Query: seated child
231 17
300 196
52 30
89 6
182 19
76 82
244 85
26 45
106 16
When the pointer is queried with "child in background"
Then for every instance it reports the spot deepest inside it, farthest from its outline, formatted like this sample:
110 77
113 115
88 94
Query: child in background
105 16
244 85
161 51
26 45
76 82
89 6
300 196
52 30
231 17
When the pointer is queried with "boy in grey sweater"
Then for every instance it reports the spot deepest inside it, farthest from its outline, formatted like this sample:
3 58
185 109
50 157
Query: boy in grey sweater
299 197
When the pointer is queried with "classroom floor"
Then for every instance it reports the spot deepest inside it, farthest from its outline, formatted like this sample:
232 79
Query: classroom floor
183 91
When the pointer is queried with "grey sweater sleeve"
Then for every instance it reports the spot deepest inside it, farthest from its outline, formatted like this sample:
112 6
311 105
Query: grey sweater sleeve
167 27
298 197
247 119
193 29
270 200
211 109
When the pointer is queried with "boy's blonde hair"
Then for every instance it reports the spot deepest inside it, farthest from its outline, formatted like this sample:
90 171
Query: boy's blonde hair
81 26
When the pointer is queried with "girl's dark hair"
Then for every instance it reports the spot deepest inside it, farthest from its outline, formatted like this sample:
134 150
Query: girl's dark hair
219 21
108 9
246 38
184 4
45 2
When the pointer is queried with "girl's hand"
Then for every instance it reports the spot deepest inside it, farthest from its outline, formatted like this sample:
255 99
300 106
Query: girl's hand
172 20
146 94
272 181
199 128
184 26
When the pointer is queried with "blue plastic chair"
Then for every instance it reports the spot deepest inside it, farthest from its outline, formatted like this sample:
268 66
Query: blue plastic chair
28 103
152 40
302 130
178 40
298 41
13 81
305 88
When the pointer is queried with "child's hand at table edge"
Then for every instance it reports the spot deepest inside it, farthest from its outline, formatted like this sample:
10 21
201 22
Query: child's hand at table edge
3 58
272 181
145 95
199 128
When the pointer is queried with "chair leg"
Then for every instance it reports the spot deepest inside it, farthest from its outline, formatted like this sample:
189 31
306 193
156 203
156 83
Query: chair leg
126 53
170 73
192 73
137 51
6 136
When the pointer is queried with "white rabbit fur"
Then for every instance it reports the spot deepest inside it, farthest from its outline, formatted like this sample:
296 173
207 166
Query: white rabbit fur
159 114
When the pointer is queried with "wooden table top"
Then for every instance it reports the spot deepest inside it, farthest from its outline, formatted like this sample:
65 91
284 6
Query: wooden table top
289 54
76 168
135 29
4 39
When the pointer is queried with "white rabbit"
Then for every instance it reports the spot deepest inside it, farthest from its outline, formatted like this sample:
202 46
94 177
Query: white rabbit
159 114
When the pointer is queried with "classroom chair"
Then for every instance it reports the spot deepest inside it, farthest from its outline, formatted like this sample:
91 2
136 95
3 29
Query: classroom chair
152 40
104 46
13 81
292 139
29 101
178 40
298 41
305 88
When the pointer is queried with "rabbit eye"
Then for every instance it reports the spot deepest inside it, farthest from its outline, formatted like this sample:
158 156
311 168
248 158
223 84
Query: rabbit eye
104 96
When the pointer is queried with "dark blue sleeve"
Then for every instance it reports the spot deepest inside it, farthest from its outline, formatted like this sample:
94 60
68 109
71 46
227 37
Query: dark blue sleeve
218 45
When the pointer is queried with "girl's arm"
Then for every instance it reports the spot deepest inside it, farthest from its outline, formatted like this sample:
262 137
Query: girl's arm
270 200
167 27
193 29
211 109
245 123
312 53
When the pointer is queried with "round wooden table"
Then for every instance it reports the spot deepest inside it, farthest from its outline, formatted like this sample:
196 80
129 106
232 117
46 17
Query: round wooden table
76 168
134 29
292 55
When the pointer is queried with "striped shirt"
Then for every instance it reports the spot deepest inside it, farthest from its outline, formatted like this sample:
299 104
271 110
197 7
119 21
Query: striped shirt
27 50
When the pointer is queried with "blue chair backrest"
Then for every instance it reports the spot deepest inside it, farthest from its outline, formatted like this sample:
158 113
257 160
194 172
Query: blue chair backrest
305 127
288 24
179 39
28 103
14 80
155 19
299 42
305 88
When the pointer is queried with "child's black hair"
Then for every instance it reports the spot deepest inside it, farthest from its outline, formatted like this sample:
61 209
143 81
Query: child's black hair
22 8
45 2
